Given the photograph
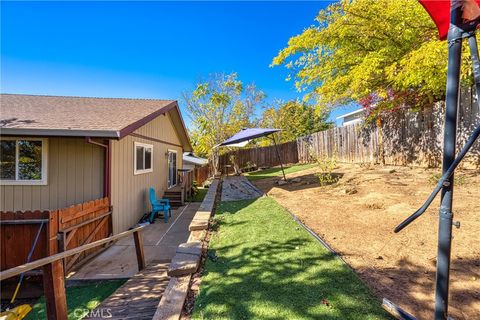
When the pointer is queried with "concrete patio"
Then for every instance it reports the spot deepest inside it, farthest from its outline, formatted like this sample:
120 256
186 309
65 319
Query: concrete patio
160 243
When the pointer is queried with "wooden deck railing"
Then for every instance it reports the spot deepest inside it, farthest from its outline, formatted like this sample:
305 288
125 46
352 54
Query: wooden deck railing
186 183
53 273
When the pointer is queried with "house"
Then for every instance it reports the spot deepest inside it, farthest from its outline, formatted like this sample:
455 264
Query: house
352 117
59 151
191 161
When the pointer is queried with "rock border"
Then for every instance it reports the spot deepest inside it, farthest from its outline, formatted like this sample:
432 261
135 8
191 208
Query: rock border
186 260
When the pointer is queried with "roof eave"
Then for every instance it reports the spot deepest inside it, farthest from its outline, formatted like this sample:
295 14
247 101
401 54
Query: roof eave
60 133
350 113
139 123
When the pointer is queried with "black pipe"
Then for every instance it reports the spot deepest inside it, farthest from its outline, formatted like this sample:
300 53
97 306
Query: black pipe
449 143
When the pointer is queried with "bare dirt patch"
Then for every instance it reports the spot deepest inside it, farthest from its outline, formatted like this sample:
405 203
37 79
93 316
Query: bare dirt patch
357 215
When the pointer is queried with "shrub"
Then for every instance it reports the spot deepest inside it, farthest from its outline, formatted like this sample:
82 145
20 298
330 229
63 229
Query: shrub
326 166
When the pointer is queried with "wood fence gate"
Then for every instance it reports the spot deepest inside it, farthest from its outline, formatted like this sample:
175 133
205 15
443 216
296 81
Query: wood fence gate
82 224
64 229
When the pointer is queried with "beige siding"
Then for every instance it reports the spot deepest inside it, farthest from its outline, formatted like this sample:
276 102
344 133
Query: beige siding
129 192
75 175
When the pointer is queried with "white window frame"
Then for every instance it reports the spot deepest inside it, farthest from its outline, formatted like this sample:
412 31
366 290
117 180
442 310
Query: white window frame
18 182
168 168
144 145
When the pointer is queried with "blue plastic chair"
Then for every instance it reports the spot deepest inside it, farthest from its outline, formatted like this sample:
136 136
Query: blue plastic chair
161 205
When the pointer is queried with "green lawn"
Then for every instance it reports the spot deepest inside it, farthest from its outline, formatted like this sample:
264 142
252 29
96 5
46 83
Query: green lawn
198 197
277 171
263 265
79 299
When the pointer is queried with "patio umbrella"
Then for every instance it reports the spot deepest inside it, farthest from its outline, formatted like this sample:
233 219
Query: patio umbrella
439 11
248 134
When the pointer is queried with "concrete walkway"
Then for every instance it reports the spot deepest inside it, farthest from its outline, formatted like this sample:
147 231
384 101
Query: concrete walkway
160 243
236 188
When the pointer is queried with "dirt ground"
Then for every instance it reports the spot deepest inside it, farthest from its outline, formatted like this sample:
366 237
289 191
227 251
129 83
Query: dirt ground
357 215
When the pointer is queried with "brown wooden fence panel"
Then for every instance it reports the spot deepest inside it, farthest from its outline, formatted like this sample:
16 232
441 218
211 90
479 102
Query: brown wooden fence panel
82 224
201 174
405 138
17 239
260 156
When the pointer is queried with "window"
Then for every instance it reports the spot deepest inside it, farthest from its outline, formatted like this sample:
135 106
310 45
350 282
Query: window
143 158
23 161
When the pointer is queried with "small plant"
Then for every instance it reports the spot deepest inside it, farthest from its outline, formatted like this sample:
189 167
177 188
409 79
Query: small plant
326 166
434 177
250 166
194 187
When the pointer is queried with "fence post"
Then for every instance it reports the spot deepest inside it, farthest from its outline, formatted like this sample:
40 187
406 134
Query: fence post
54 288
139 249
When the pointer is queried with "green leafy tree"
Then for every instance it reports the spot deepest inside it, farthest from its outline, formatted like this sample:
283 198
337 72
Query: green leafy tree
295 118
380 51
219 107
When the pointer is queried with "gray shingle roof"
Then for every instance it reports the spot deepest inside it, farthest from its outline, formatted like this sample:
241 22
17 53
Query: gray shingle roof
77 116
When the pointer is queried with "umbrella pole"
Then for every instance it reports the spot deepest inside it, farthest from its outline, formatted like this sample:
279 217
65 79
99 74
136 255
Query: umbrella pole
278 155
449 143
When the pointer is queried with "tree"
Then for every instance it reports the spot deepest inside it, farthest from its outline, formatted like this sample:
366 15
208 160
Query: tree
219 107
296 119
381 52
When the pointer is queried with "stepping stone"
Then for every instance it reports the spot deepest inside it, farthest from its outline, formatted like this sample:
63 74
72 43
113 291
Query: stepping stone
202 215
194 248
198 225
183 264
197 235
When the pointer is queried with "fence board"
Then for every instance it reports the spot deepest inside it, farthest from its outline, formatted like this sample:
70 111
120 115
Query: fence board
408 138
17 239
96 230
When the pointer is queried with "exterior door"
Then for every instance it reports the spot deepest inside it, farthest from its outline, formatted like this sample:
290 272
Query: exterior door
172 168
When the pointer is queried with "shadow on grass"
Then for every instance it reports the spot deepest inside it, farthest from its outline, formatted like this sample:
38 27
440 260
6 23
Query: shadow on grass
80 299
270 268
285 271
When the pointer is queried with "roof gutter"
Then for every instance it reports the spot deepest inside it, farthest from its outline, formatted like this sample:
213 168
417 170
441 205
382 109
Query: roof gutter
60 133
107 166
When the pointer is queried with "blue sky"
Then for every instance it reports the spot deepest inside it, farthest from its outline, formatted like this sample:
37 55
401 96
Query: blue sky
146 49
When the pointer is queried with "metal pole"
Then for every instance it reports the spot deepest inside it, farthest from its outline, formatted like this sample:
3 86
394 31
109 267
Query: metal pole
278 155
449 143
472 42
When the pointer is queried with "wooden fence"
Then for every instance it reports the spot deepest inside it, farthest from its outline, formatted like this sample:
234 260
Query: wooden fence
260 157
53 272
81 224
404 138
66 229
201 174
18 230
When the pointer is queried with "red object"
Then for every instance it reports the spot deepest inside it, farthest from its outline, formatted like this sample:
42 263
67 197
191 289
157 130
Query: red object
439 11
